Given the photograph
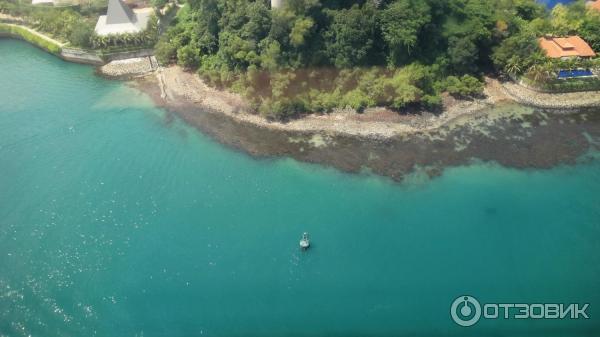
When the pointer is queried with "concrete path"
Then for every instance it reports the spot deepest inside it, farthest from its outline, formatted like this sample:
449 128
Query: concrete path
32 31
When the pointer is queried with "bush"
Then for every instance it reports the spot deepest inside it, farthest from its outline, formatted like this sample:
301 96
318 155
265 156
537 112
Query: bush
357 100
81 35
58 23
517 53
30 37
187 57
281 109
165 51
466 86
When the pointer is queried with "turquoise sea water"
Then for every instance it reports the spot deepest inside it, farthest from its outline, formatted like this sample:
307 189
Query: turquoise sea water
117 221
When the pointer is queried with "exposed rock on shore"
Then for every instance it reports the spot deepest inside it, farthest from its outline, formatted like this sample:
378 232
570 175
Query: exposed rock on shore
377 123
129 68
556 101
510 134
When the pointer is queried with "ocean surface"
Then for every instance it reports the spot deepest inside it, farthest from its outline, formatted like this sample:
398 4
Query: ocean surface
552 3
118 220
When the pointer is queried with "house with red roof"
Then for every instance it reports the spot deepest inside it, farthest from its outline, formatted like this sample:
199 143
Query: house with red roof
566 47
594 5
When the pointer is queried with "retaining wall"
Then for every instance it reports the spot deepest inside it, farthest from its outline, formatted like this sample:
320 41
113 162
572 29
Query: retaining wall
69 54
81 56
127 55
97 58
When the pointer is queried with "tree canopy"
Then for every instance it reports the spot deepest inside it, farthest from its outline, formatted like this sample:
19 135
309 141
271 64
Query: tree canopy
414 46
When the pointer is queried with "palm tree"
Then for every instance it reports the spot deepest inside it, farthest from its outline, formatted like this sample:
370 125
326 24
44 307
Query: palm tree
586 63
94 41
513 66
104 41
536 72
138 39
550 69
571 63
126 39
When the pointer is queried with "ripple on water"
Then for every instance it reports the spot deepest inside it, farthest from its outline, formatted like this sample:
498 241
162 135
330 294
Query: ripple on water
121 227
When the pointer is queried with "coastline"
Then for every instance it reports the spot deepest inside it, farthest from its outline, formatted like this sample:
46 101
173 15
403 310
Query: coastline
117 222
37 39
552 101
377 123
178 88
496 129
382 142
14 28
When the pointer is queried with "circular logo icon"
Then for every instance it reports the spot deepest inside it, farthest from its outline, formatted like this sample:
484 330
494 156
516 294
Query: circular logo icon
465 310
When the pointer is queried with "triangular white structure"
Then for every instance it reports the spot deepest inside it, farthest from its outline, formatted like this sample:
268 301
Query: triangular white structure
119 13
56 2
276 4
120 19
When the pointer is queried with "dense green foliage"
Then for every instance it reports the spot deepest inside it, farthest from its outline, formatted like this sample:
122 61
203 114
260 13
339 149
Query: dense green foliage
465 86
64 24
146 38
75 25
316 55
30 37
519 54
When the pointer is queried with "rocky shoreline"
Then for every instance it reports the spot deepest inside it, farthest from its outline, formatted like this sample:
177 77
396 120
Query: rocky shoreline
380 141
506 127
129 68
178 87
560 102
376 123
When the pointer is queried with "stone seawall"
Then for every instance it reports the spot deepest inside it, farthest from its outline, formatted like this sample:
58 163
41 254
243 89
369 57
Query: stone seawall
18 30
128 55
128 68
553 101
81 56
99 59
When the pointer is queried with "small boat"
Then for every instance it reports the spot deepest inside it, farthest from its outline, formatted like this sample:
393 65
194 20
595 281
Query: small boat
304 242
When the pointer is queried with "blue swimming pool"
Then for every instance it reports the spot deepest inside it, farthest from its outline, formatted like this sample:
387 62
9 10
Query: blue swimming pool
574 73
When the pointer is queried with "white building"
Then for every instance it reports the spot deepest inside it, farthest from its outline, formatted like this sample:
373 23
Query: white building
56 2
276 4
39 2
120 19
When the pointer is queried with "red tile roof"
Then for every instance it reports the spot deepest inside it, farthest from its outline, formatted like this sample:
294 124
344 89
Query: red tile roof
595 5
571 46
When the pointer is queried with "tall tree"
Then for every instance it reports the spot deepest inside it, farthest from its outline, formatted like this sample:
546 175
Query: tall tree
351 35
401 23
